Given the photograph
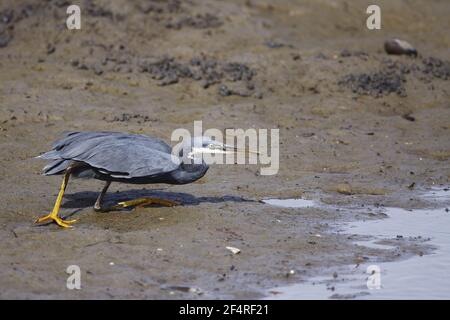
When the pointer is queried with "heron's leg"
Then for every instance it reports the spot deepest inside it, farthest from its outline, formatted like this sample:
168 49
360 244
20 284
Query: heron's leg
145 201
53 216
98 203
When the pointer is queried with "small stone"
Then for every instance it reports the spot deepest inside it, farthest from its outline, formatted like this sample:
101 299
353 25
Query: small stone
50 48
409 117
233 250
224 91
195 290
98 70
259 95
345 53
296 57
397 46
273 44
6 16
344 189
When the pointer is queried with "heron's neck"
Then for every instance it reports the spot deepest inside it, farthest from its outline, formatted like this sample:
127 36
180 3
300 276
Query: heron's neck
187 173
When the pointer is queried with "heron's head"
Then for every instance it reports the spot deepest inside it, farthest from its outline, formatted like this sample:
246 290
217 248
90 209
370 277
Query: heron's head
206 145
196 147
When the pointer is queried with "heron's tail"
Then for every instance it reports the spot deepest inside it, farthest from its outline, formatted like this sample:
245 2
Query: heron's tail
55 167
50 155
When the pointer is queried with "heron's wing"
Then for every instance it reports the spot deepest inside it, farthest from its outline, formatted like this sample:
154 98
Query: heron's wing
127 159
118 154
70 137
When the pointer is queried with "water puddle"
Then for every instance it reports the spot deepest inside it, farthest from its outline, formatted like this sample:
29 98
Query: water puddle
290 203
419 277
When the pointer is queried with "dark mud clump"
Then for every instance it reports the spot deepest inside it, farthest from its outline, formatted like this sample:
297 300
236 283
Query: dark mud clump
198 21
5 37
208 71
6 17
173 15
95 10
272 44
130 117
393 76
376 84
238 71
165 69
347 53
159 7
11 16
247 91
436 68
168 70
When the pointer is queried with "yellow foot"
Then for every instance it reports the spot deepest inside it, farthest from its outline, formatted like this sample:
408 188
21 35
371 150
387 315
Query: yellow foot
145 201
58 220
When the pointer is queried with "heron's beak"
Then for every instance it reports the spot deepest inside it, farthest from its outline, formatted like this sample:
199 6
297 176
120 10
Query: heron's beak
232 149
220 148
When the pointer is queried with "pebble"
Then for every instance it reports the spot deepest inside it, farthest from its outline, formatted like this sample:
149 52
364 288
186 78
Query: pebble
234 250
397 46
97 69
50 48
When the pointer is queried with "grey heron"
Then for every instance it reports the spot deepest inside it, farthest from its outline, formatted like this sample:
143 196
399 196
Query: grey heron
125 158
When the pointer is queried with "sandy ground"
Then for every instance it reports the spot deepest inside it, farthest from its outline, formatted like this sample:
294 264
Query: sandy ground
357 126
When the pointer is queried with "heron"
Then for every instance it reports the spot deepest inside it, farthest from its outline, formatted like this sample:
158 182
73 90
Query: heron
125 158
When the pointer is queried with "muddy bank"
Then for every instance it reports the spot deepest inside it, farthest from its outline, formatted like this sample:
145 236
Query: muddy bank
357 127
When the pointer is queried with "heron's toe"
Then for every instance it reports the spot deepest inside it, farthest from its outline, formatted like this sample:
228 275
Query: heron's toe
64 224
144 202
70 221
52 217
46 218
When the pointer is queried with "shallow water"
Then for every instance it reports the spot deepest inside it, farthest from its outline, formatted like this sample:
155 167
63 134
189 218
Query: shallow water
420 277
290 203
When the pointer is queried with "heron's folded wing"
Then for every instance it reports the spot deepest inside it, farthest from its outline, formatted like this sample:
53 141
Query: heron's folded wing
95 137
121 154
127 160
